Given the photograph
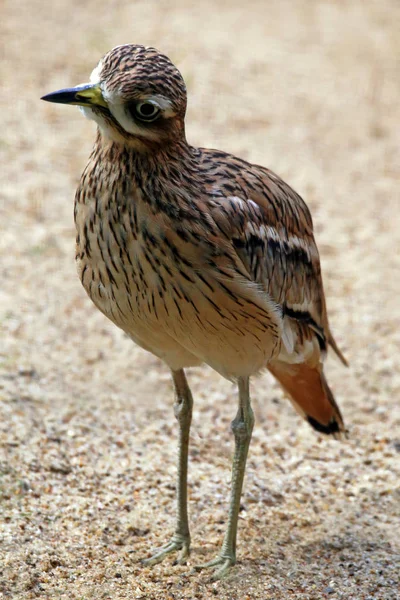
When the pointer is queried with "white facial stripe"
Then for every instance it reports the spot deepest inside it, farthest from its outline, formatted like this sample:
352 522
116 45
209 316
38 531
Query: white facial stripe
127 123
110 98
95 75
117 108
163 103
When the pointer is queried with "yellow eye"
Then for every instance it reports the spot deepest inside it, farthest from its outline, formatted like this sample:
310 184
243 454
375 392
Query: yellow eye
145 111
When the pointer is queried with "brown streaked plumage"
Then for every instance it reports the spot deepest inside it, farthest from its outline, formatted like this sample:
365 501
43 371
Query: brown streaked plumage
199 256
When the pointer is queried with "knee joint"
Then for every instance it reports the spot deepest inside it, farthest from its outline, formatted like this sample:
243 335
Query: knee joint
182 411
241 429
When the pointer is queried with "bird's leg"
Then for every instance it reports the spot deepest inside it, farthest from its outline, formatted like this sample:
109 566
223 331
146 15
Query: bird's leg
242 427
183 412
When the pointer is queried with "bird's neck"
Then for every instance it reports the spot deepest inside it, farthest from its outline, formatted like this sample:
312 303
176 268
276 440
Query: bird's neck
162 178
150 159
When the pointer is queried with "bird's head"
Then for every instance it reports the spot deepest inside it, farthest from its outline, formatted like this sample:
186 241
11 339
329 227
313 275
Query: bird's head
136 96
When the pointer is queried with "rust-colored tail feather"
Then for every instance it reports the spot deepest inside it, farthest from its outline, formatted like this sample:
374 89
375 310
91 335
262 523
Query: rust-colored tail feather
309 391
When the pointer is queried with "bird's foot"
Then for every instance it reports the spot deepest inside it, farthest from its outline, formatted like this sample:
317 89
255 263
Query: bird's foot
179 543
223 563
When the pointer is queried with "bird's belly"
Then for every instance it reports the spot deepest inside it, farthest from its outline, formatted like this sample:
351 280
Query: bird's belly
135 309
183 322
177 310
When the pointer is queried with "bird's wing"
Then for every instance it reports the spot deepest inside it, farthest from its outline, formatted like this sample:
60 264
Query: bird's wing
271 231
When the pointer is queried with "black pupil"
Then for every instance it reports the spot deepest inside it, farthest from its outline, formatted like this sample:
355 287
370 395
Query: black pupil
147 110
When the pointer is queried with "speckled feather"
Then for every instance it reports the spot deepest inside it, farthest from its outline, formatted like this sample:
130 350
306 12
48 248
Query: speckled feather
198 255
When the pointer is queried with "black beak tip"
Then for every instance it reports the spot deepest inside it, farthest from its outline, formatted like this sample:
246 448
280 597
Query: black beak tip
67 96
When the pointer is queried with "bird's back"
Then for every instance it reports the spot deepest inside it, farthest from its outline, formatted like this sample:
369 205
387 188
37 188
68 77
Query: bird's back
270 233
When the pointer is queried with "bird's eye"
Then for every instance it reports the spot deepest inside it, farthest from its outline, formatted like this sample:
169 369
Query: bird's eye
146 111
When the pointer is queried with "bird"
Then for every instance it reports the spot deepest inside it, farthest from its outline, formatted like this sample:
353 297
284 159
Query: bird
200 257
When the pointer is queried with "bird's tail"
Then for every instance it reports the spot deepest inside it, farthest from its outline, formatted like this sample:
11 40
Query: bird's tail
310 394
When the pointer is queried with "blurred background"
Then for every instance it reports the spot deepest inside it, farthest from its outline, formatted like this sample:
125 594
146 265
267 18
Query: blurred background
87 435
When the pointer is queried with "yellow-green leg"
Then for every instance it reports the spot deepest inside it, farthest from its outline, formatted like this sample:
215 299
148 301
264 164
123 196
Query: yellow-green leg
242 427
180 541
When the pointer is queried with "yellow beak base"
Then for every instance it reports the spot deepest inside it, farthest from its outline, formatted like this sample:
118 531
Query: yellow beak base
87 94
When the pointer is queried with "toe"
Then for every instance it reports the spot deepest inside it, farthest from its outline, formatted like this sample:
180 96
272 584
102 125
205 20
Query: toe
183 555
223 570
173 546
223 564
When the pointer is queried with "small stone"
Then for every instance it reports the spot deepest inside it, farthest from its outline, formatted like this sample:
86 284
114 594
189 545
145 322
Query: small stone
329 590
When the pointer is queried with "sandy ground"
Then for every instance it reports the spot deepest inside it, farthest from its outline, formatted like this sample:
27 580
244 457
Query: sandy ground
87 433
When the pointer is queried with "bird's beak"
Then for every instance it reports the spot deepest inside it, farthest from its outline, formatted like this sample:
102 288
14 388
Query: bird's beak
88 94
